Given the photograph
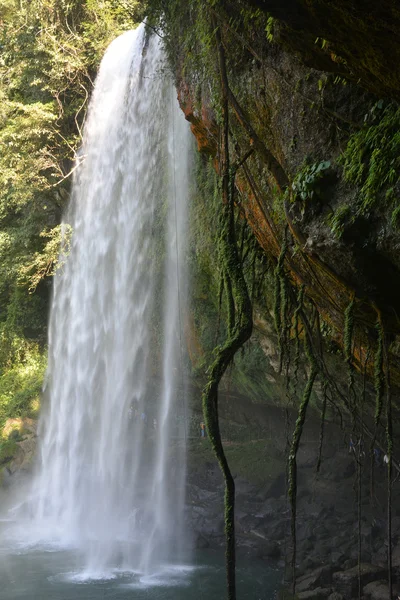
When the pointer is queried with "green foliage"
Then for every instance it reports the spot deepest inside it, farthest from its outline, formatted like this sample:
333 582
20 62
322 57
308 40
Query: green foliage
322 43
52 257
371 159
49 53
187 32
206 278
8 449
339 219
21 381
307 183
269 28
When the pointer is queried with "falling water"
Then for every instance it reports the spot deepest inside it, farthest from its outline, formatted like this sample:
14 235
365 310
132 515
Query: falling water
111 475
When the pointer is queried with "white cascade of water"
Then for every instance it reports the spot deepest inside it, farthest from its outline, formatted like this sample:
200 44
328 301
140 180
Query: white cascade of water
111 476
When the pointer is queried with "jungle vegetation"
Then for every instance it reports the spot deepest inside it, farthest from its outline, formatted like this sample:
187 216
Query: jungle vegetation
49 54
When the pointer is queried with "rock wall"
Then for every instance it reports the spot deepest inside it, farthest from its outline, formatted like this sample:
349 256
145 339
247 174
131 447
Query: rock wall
313 126
303 103
327 524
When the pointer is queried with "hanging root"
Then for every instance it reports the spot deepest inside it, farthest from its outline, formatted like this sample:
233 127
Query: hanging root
379 382
293 465
379 378
240 325
348 331
240 333
359 523
286 331
322 427
348 351
280 302
299 307
230 304
253 274
220 297
389 453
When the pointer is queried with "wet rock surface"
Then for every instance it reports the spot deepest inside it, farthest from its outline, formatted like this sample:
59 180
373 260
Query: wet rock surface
327 521
22 432
346 582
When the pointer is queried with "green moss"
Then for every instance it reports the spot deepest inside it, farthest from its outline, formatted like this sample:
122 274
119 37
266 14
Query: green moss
257 461
248 372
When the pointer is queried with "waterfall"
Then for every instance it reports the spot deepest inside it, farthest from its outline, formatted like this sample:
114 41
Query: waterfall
111 474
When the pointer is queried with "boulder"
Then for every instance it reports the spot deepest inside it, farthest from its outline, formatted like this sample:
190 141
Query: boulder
379 590
346 582
306 566
314 579
28 448
396 556
271 550
317 594
396 526
21 425
337 558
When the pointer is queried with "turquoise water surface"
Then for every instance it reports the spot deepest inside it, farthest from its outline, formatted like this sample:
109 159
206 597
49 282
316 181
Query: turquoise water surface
51 574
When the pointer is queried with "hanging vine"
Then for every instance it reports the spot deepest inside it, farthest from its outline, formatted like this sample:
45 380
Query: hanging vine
221 288
389 454
310 327
299 307
293 465
379 383
348 350
322 426
379 377
279 286
240 325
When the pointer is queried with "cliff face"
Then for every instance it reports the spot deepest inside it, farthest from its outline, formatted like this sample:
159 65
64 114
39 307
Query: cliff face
314 148
314 86
361 38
